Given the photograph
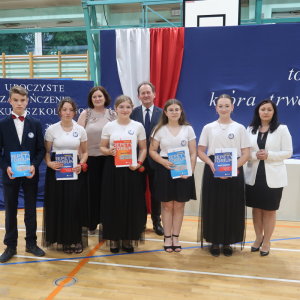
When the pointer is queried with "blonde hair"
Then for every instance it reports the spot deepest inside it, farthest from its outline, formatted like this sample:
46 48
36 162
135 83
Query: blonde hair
122 99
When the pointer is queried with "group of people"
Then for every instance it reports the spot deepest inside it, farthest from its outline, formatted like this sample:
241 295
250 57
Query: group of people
115 197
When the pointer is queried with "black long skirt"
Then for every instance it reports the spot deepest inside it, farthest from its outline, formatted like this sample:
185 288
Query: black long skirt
222 209
260 195
123 205
95 172
168 189
64 209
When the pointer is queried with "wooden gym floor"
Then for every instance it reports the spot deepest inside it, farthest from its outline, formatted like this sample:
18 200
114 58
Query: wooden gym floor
151 273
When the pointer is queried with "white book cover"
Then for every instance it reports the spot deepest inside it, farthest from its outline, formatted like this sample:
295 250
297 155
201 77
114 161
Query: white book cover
69 159
180 157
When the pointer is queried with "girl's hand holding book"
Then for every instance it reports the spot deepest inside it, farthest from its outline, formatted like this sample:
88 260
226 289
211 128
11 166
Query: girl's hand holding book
54 165
112 151
167 164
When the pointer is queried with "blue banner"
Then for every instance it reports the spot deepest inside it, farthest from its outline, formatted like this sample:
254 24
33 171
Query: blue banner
250 63
44 97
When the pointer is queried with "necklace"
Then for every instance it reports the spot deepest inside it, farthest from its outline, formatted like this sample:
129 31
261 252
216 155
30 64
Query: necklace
63 126
225 127
124 126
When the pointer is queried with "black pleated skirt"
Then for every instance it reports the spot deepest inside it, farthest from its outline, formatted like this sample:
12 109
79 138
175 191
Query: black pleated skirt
260 195
168 189
123 205
95 171
64 211
222 209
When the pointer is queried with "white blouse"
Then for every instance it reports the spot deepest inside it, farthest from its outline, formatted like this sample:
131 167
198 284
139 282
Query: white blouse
63 140
114 131
214 136
168 140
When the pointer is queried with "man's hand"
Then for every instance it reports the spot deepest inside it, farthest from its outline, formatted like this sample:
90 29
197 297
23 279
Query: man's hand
32 172
10 173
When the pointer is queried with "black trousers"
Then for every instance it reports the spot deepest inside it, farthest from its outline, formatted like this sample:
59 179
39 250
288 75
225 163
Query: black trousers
155 205
11 194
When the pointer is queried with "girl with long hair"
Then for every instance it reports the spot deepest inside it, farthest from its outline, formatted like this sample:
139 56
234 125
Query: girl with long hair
172 131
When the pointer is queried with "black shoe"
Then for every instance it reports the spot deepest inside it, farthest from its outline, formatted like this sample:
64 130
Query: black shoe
157 228
128 250
114 250
168 247
253 249
176 247
214 252
263 253
8 254
227 251
35 250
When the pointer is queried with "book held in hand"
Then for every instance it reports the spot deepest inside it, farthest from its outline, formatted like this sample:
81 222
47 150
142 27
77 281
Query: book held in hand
225 162
69 159
180 157
125 152
20 163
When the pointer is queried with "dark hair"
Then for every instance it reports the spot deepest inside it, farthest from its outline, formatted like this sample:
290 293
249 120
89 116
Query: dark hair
104 92
224 96
256 121
146 83
67 100
164 119
18 90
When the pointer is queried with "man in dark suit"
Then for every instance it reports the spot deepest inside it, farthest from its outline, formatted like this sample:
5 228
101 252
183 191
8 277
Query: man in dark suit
148 114
20 132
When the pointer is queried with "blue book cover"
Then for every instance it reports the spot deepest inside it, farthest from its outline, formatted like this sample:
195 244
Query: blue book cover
69 159
225 163
181 159
20 163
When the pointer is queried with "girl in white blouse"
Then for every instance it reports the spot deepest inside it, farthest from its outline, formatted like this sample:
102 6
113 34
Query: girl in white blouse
223 202
64 199
172 131
123 205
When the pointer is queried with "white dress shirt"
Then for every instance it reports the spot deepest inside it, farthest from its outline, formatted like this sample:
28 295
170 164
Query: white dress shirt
19 125
145 111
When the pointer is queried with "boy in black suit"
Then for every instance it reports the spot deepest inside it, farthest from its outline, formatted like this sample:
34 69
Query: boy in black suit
148 114
20 132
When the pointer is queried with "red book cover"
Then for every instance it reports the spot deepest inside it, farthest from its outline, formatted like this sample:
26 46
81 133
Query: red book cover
123 156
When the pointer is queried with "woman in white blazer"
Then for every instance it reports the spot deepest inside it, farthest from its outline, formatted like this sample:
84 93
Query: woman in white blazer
266 174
